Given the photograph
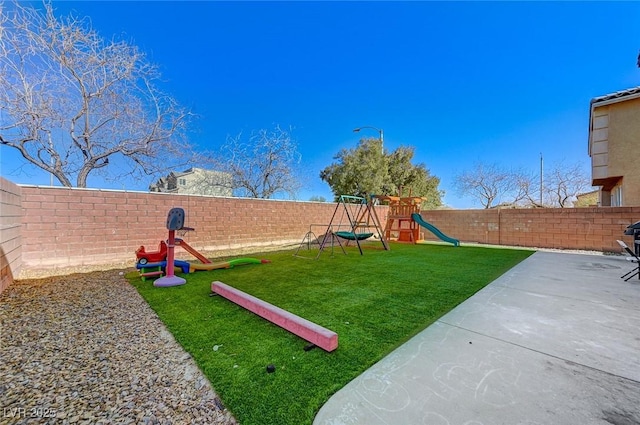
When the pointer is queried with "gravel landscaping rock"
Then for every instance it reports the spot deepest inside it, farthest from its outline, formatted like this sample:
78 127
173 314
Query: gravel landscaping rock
87 349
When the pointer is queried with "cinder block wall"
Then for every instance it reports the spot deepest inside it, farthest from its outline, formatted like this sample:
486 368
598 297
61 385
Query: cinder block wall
10 236
51 228
594 229
70 227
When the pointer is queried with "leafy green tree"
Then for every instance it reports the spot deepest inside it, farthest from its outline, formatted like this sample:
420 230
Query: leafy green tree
359 172
417 179
368 170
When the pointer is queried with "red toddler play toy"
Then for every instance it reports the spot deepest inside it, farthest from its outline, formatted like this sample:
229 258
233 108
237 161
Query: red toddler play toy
145 257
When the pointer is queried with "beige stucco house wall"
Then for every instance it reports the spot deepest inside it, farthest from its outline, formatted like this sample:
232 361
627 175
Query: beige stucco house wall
588 199
195 181
614 147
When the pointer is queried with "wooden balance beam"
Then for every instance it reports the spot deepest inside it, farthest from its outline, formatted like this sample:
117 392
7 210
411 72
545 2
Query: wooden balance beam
316 334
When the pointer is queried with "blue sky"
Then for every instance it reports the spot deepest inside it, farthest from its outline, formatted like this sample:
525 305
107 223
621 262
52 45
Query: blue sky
497 82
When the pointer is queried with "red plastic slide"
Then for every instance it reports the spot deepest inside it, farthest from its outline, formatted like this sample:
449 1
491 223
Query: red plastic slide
182 244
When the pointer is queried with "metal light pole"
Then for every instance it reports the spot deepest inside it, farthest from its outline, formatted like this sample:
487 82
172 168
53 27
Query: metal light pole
541 178
379 130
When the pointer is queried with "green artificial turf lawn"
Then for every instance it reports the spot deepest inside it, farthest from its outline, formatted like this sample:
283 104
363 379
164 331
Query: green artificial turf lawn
374 302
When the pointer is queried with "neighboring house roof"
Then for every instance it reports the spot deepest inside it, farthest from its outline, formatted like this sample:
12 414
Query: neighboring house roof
189 171
608 99
615 97
592 192
504 205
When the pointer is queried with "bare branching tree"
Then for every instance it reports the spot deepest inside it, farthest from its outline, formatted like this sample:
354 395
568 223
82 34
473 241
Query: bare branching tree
73 103
564 182
527 190
488 184
492 185
263 166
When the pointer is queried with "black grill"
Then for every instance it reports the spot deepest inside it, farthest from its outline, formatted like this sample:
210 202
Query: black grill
634 230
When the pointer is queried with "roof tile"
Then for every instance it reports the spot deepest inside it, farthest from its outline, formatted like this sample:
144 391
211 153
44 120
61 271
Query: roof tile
616 95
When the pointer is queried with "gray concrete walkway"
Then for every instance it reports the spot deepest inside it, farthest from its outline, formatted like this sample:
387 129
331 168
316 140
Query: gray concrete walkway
556 340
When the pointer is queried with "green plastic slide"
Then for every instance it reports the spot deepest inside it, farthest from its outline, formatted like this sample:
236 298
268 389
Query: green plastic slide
433 229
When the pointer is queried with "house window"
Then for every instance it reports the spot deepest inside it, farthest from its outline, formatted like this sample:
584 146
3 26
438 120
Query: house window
183 182
616 196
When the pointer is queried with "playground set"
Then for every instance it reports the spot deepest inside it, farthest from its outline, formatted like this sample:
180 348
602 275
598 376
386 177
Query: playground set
357 221
404 220
161 264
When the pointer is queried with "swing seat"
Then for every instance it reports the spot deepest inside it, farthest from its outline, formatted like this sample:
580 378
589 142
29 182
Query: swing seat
353 236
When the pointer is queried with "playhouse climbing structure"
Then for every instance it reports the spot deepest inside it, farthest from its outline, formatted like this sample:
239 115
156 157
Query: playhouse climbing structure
404 220
400 225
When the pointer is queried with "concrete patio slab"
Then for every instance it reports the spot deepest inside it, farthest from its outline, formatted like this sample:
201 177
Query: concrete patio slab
556 340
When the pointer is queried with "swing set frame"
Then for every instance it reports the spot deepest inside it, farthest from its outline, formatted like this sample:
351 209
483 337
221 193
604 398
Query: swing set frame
362 222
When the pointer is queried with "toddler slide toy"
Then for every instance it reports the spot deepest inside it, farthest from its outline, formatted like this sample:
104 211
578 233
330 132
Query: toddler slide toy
226 265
